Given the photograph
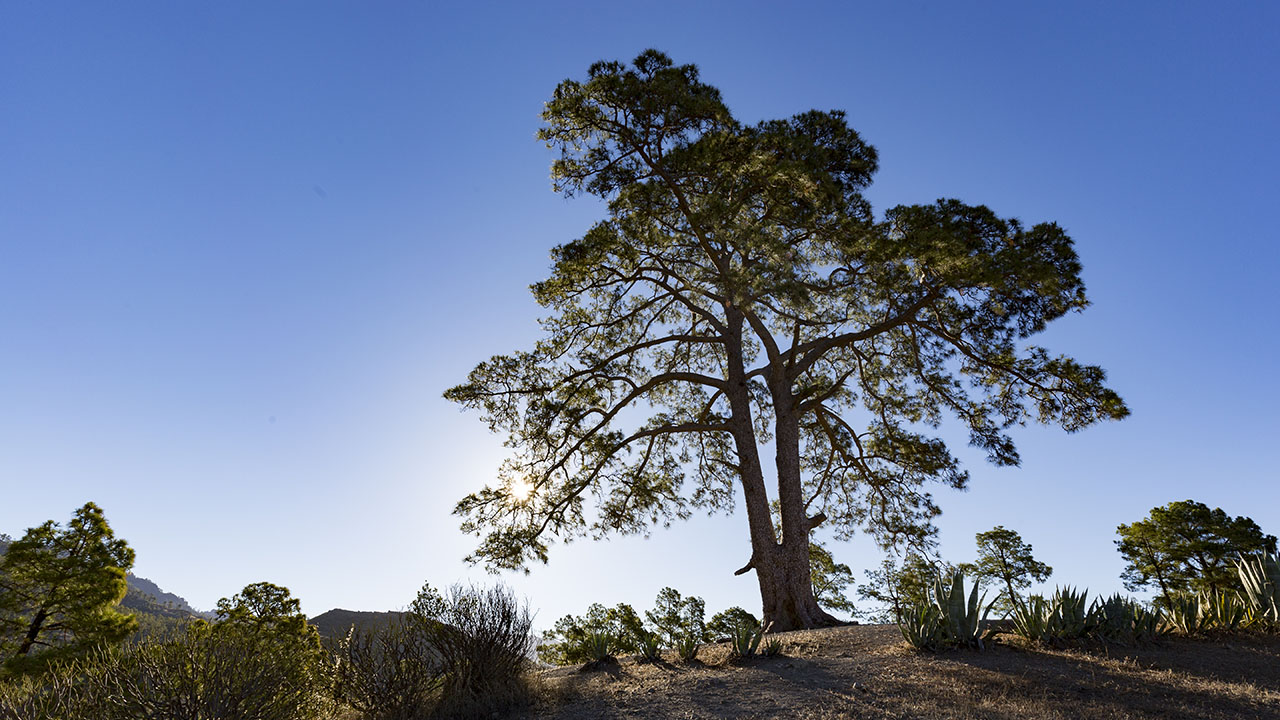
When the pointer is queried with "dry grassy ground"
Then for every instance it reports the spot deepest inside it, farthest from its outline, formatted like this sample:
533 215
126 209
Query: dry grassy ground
868 672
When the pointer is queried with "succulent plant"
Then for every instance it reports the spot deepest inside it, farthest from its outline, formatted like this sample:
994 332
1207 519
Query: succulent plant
687 647
1223 610
922 626
962 616
1260 577
1182 614
949 617
746 638
1031 619
597 645
648 644
771 648
1121 620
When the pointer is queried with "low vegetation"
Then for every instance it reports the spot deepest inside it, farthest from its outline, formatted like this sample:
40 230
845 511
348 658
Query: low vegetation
468 651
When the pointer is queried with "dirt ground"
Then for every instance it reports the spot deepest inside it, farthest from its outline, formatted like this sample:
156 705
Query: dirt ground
867 671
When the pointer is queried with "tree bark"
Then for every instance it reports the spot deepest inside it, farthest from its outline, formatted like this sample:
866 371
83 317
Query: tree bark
33 632
787 585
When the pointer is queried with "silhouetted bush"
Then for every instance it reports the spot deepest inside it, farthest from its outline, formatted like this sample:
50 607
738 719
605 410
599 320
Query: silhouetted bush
388 672
484 638
461 653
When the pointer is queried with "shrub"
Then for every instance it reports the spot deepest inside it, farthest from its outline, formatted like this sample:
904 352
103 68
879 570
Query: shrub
725 623
389 672
564 644
483 637
58 694
205 673
677 617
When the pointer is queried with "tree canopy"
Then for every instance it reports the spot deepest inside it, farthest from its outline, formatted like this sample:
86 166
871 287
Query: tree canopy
1004 557
742 292
1185 546
59 588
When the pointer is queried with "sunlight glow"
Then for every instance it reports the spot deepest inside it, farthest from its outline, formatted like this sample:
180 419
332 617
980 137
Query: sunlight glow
521 489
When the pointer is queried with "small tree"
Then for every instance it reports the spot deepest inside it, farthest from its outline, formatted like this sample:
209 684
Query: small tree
1005 558
1185 546
898 586
564 643
266 610
677 617
59 588
830 579
726 622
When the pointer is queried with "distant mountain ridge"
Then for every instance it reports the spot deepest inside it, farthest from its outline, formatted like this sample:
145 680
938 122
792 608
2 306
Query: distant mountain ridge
160 612
148 588
335 623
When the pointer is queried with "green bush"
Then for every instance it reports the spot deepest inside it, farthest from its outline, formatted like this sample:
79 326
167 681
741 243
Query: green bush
209 672
565 643
725 623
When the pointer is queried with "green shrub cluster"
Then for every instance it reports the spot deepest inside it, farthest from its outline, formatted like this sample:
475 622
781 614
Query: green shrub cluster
211 671
676 623
462 653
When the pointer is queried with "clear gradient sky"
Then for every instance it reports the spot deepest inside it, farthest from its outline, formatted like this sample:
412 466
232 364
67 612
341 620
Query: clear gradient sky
244 248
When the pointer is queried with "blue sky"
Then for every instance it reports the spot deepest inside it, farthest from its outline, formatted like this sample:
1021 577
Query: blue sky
245 247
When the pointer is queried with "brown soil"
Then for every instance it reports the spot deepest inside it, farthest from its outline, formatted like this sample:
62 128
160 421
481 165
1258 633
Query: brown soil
869 672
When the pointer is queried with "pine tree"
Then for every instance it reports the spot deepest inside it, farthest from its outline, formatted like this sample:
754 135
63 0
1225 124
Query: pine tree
59 588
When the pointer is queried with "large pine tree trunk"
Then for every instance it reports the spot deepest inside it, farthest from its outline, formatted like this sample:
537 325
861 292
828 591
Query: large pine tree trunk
782 567
787 591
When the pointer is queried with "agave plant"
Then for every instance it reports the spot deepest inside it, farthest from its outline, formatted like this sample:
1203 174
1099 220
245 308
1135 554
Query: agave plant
597 645
1121 620
648 643
771 648
687 647
1069 615
1182 614
922 626
1223 610
1260 576
1031 619
962 617
746 640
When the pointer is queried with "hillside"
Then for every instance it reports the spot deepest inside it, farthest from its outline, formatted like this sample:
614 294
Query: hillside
158 612
868 672
335 623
